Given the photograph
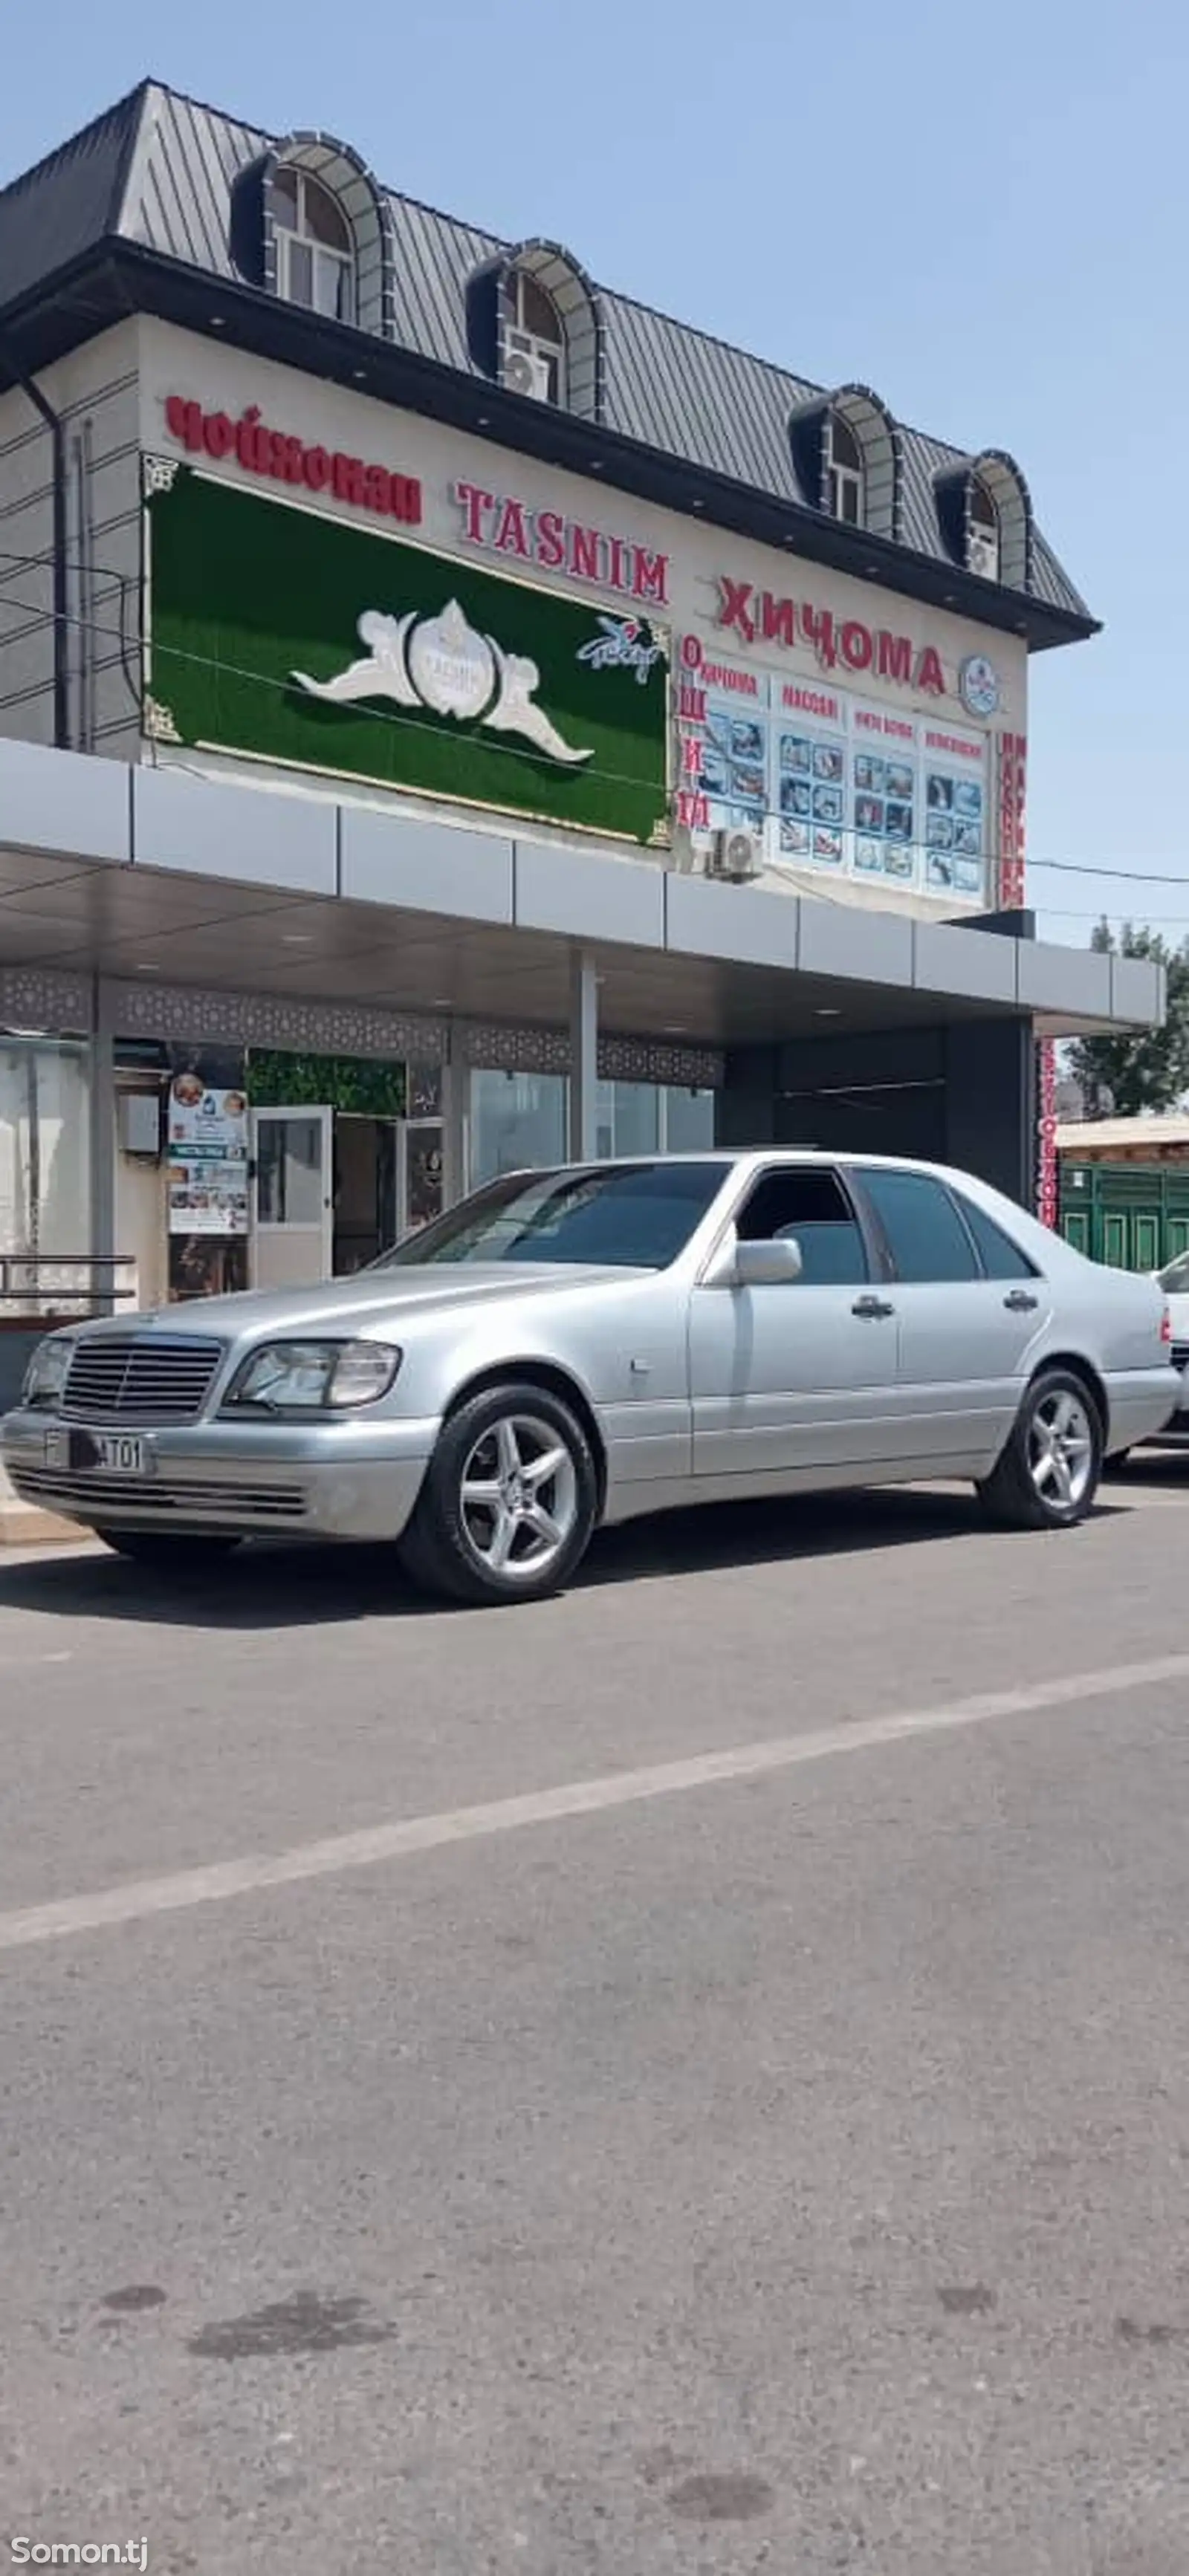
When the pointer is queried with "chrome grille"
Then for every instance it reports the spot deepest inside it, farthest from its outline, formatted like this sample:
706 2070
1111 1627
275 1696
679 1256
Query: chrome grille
121 1499
140 1377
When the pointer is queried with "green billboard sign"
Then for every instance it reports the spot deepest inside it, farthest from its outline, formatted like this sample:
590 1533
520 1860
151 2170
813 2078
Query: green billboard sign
279 632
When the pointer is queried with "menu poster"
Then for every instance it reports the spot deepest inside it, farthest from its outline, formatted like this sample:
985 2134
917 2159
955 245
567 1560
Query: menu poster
733 771
831 781
809 749
884 794
954 766
207 1132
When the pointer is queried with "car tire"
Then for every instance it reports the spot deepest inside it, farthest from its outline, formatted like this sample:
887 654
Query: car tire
171 1551
509 1500
1049 1472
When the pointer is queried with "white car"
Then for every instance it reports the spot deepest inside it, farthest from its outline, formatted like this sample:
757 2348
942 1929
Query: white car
594 1343
1174 1281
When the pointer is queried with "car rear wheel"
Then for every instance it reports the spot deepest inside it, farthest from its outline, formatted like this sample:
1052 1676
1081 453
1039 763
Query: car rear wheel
173 1551
509 1500
1050 1470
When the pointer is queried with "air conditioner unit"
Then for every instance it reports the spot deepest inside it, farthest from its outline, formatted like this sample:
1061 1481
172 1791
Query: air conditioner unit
736 856
527 371
982 554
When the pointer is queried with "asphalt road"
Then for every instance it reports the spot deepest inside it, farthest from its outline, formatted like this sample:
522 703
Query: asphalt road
693 2077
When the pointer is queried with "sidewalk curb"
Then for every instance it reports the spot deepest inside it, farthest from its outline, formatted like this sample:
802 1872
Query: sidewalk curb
26 1525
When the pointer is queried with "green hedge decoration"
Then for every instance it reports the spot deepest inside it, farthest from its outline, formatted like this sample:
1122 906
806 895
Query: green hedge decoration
245 591
364 1084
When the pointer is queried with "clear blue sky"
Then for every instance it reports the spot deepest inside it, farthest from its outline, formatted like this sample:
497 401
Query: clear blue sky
983 213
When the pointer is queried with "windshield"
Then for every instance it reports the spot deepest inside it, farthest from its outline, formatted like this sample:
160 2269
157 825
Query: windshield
637 1216
1176 1278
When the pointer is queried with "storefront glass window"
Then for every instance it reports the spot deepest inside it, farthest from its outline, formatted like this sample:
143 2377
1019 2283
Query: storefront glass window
518 1122
44 1175
689 1121
629 1119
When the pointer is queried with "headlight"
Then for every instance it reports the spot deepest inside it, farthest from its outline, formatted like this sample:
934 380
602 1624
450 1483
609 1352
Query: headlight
314 1377
47 1371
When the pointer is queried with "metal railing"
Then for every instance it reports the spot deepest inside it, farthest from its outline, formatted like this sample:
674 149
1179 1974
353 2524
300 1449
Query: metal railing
66 1283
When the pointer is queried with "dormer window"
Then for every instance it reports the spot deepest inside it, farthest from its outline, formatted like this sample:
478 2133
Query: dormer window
844 477
983 544
315 257
534 361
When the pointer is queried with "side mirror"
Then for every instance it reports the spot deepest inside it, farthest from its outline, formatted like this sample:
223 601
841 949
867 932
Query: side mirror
768 1265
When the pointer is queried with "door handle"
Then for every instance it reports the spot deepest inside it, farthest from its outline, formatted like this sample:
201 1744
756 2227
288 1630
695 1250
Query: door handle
875 1307
1020 1303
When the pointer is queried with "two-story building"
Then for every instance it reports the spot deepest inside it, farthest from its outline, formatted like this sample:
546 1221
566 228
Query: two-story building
451 715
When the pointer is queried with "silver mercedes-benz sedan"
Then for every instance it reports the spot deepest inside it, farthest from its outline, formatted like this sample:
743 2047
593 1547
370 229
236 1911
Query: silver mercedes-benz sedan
583 1345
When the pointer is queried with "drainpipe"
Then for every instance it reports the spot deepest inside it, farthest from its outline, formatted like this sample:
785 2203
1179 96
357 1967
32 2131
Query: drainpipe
53 423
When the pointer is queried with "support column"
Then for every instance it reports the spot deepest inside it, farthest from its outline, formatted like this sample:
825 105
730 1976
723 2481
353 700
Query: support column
584 1058
456 1079
102 1141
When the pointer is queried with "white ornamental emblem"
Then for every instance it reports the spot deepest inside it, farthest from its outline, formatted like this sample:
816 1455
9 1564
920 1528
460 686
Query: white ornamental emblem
978 685
443 664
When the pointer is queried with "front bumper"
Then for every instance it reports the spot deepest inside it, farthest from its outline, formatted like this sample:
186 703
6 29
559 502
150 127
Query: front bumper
329 1480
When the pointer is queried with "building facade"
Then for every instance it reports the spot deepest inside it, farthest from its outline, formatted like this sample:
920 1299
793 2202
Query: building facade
450 716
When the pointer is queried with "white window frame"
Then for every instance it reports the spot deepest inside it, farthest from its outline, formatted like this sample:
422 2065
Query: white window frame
520 341
337 266
984 531
845 482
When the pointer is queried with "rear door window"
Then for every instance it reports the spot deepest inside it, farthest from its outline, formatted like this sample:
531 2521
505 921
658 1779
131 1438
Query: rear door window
926 1235
1000 1257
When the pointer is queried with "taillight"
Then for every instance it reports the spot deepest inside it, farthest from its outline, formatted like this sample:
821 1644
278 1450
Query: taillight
1166 1325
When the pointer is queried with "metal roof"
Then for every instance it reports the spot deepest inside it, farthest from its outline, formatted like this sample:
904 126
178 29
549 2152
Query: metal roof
158 171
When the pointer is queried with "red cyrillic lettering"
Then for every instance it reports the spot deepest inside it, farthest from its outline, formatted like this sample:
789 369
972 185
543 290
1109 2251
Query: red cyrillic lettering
734 610
929 672
691 757
183 420
377 489
218 434
691 704
895 659
778 620
315 466
348 479
245 437
858 645
817 627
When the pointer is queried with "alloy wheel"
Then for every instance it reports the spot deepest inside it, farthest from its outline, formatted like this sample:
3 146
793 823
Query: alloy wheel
518 1497
1061 1450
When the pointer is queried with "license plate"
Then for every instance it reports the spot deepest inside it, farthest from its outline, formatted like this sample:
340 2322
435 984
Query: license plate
115 1453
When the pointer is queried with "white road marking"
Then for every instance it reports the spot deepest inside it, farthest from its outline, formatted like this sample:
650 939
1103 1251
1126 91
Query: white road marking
400 1839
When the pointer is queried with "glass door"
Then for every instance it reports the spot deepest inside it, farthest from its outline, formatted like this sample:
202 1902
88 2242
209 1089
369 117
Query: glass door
419 1191
292 1197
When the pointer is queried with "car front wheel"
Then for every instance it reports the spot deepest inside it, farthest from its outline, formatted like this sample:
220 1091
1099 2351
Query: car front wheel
509 1499
171 1551
1049 1472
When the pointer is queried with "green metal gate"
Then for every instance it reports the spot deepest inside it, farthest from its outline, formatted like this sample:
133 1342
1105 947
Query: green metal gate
1134 1215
